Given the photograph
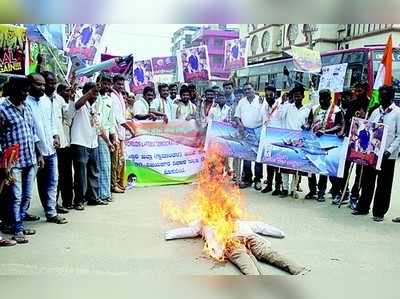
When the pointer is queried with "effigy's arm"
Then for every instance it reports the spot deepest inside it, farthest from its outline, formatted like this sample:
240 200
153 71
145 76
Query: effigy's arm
265 229
192 231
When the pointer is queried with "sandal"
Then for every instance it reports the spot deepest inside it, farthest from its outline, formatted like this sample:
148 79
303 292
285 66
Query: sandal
29 217
6 243
396 220
20 238
57 220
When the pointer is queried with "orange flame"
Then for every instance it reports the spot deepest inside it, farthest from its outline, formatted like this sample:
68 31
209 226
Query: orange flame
214 201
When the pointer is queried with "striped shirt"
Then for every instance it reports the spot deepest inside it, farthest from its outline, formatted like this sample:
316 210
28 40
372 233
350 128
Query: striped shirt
17 127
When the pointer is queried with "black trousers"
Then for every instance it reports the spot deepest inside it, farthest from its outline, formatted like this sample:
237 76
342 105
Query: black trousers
247 175
86 178
322 183
65 180
271 172
383 181
355 190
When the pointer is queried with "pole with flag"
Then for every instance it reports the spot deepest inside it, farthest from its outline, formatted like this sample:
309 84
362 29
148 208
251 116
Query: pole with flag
383 76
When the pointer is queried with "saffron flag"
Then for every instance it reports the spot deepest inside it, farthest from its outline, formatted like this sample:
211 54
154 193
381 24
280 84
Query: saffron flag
383 76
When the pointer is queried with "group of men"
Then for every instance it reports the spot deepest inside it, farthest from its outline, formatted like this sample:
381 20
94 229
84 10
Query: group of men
78 138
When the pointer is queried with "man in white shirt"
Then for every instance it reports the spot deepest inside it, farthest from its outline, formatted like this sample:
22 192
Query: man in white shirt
185 109
220 111
173 91
162 106
389 114
248 114
117 156
141 107
84 148
44 120
272 118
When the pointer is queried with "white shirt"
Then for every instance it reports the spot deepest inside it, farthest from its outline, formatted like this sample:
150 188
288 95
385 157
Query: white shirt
141 107
182 111
293 118
59 107
272 114
391 118
44 120
250 113
163 106
83 133
119 113
219 114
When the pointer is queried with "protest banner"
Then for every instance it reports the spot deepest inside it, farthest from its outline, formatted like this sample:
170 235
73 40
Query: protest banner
164 65
306 60
303 151
195 64
124 67
367 142
163 154
333 77
230 142
142 75
85 40
53 34
12 50
235 54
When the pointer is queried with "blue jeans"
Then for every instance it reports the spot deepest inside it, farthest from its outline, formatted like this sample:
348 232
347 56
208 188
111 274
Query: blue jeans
20 195
47 179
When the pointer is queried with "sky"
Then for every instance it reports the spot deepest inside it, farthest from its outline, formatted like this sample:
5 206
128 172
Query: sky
143 40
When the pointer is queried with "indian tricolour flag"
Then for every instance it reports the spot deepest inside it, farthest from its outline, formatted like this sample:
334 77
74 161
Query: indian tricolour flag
383 76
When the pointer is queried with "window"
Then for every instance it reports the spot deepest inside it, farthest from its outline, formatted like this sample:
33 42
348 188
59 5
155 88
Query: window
217 59
218 42
331 59
254 45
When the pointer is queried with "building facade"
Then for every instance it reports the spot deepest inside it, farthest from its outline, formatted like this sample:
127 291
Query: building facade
183 38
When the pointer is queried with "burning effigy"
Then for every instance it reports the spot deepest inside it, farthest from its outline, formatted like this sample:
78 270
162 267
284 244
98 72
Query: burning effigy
215 211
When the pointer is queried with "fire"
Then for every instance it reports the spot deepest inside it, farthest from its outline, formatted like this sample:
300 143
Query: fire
214 201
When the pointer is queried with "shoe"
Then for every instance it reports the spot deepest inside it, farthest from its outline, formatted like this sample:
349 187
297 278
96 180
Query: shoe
29 217
310 195
69 206
117 190
266 189
79 207
338 198
378 218
57 220
276 192
284 193
20 238
357 212
61 210
396 220
108 199
257 186
29 231
320 198
7 243
97 202
244 185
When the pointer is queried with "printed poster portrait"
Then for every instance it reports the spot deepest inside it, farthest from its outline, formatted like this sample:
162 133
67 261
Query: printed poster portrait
85 40
12 50
142 75
195 64
367 143
235 54
303 151
164 65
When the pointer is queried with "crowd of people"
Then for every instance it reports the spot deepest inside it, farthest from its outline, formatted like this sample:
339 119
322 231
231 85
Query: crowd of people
72 141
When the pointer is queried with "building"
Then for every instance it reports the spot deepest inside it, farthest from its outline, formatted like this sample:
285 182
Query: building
214 38
182 38
272 41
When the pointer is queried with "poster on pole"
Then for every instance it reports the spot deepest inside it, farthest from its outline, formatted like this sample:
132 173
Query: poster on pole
163 154
12 50
231 142
53 34
235 54
333 77
142 75
303 151
85 40
367 142
195 64
306 60
164 65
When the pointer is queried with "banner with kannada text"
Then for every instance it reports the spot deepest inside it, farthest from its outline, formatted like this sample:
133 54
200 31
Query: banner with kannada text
12 50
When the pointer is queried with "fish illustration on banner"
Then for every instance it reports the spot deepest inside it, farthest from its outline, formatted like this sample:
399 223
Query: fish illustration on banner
367 142
306 60
195 64
303 151
231 142
142 75
123 64
85 40
164 65
235 54
12 50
